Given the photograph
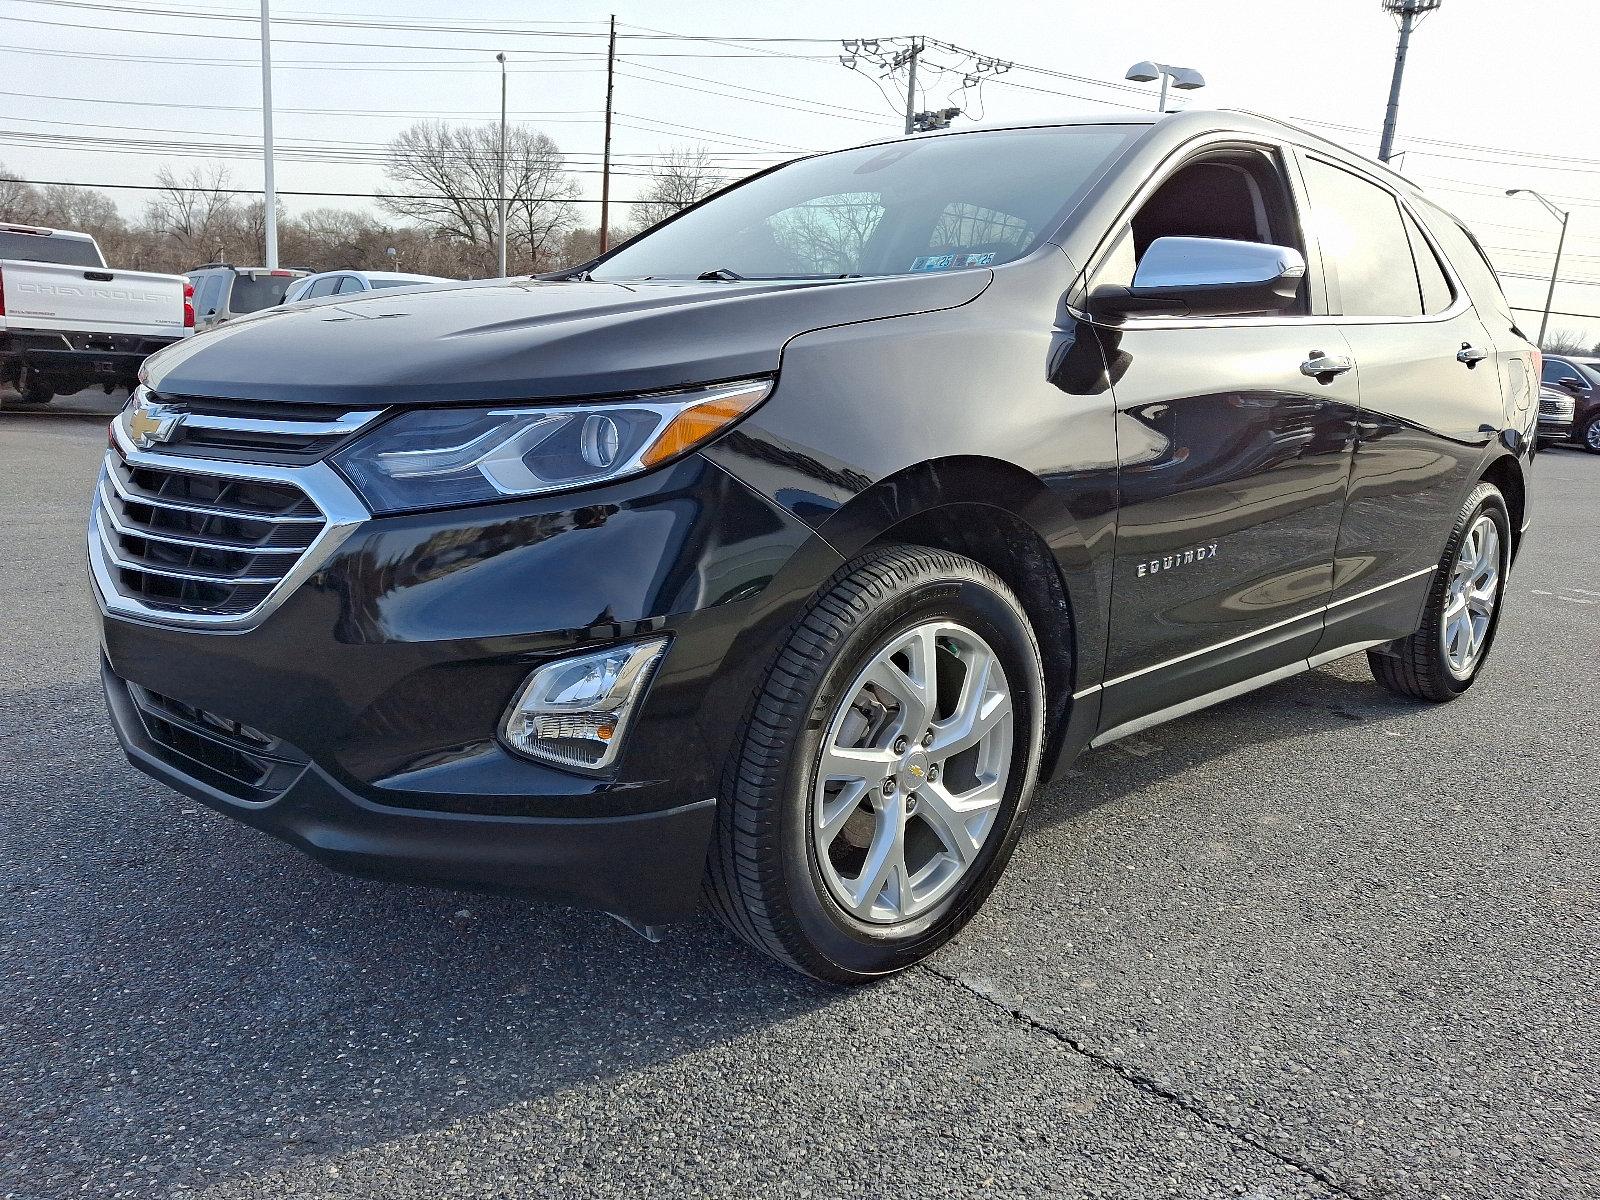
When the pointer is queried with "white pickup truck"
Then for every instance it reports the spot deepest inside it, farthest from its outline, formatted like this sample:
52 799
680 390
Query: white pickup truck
67 321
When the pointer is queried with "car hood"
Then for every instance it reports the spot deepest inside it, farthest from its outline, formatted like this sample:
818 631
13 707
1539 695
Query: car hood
503 340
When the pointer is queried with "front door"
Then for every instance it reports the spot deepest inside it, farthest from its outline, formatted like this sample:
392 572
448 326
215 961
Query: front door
1233 462
1233 466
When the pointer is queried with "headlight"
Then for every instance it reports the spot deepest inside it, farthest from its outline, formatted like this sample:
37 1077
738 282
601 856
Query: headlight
434 458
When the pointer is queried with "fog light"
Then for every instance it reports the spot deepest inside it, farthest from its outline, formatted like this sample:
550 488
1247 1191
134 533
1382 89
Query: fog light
573 712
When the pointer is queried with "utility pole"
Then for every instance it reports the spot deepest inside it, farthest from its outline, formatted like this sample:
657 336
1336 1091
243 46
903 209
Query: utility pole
269 187
1410 13
501 59
605 170
909 57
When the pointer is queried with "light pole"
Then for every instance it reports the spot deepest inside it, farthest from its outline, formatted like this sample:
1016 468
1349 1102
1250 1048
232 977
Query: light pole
1409 12
268 186
501 59
1185 79
1555 271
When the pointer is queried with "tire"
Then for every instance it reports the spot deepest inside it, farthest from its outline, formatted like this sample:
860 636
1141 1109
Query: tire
1589 435
33 391
1421 665
769 878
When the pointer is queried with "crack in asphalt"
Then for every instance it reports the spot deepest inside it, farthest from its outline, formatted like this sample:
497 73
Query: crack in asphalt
1144 1083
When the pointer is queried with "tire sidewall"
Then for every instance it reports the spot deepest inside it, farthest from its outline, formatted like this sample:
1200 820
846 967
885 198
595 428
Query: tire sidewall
1485 500
853 945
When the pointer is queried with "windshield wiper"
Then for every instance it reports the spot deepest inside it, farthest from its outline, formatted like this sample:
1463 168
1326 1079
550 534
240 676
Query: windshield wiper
720 275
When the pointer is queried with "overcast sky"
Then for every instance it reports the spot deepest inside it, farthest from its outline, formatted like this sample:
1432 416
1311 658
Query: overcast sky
1485 75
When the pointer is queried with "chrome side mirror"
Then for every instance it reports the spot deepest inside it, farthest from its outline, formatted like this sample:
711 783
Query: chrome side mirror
1206 277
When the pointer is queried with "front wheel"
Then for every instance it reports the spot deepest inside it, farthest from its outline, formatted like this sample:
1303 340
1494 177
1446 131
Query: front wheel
1442 658
885 768
1589 438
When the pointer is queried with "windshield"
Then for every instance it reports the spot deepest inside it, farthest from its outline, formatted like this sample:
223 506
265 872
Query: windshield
44 247
935 204
253 293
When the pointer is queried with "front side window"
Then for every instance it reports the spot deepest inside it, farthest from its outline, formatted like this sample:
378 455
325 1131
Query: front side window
1364 243
931 205
1556 371
322 287
1238 195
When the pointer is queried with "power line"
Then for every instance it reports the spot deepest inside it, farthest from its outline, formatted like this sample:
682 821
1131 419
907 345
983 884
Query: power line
154 187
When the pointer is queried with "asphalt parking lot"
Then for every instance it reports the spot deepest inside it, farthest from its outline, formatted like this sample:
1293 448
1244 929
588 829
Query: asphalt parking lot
1315 942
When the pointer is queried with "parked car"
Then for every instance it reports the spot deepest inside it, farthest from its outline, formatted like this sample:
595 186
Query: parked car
790 547
1579 379
223 292
1556 409
347 283
68 321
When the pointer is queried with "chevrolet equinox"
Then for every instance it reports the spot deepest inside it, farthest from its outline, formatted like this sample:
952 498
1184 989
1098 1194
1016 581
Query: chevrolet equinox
779 555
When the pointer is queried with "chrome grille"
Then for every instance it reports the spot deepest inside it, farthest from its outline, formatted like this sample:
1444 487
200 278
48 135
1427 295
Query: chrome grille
203 542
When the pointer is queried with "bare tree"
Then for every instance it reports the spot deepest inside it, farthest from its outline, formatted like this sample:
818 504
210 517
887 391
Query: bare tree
682 178
1569 341
19 202
447 178
196 211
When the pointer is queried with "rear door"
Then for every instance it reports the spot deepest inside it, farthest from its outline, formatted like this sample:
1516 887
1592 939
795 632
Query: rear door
1430 399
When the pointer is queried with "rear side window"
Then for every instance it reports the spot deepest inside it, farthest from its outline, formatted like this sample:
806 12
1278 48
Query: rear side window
48 248
210 299
1436 295
1471 264
347 284
1365 242
253 293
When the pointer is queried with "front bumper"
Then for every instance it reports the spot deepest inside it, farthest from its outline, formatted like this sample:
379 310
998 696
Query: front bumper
357 719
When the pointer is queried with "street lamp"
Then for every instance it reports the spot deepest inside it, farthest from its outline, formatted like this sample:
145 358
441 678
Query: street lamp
501 59
1555 271
1185 79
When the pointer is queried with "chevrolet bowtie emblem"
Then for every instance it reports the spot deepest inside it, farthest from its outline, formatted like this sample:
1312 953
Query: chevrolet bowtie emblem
152 424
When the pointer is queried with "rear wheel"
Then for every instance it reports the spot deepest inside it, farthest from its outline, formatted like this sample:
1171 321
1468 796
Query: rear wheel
1442 658
885 768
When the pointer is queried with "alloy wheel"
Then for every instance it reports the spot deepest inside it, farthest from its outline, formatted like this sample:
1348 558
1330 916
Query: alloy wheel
1474 590
1591 435
912 772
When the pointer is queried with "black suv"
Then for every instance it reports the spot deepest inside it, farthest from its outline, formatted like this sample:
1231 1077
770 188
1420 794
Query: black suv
779 555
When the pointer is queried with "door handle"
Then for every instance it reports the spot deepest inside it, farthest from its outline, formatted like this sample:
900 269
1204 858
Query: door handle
1322 366
1470 354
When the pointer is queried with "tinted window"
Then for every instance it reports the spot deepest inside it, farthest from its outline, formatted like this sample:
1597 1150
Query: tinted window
38 247
323 287
348 284
1365 242
210 298
1436 295
938 204
1471 264
251 294
388 283
1556 371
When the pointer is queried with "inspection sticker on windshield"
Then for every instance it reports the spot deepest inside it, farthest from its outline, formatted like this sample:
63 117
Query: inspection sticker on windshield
943 262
